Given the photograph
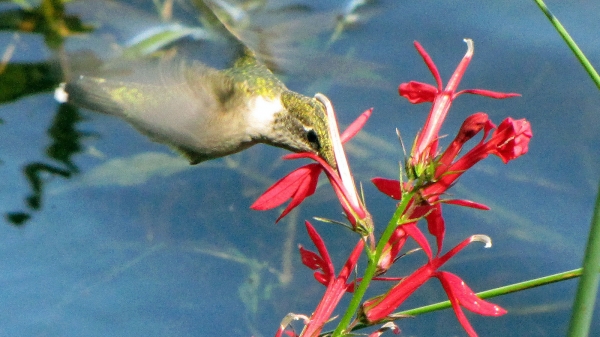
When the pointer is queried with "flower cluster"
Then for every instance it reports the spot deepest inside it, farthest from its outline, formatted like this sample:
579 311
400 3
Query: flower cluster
429 174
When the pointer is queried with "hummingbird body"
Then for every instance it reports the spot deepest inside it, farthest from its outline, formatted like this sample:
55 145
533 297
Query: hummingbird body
201 111
207 113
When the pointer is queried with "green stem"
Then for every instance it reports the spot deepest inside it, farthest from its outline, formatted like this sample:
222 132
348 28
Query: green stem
511 288
570 42
581 315
567 275
359 293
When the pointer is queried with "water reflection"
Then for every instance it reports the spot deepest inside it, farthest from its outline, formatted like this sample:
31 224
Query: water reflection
135 242
167 239
18 81
140 36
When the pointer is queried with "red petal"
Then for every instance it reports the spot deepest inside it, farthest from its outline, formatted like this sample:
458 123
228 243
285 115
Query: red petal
316 263
378 308
311 259
392 249
320 244
300 155
414 232
460 315
353 128
436 225
514 136
307 187
283 189
322 278
467 203
389 187
488 93
298 185
352 260
417 92
449 254
467 297
429 62
469 128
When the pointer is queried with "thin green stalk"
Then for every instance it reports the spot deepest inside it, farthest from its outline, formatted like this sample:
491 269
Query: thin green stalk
583 308
567 275
581 316
371 267
511 288
570 42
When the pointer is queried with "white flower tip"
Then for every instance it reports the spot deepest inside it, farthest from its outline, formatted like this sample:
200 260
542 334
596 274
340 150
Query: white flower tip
482 238
470 46
391 326
323 99
60 95
292 317
338 150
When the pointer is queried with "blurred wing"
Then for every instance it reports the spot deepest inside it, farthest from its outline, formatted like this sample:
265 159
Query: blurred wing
289 40
173 103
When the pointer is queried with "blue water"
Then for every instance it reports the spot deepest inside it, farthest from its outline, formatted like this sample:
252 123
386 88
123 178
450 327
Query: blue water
138 243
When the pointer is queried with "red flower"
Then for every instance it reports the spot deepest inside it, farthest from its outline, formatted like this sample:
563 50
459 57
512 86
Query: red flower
509 141
430 174
417 92
325 274
394 245
298 185
434 176
381 307
301 183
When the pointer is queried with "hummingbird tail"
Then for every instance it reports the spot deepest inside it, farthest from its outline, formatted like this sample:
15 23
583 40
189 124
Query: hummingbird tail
87 92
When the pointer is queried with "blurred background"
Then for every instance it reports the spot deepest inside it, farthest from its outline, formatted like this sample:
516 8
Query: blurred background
106 233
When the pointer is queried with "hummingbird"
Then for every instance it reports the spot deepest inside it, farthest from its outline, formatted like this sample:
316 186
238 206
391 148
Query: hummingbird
202 111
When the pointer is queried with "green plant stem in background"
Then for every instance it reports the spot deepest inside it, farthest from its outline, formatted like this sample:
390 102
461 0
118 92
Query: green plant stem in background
511 288
583 307
570 42
567 275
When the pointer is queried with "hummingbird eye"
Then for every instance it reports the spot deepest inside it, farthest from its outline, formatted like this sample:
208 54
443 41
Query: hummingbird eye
313 139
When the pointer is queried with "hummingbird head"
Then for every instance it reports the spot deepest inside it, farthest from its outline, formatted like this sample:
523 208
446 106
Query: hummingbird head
303 127
278 116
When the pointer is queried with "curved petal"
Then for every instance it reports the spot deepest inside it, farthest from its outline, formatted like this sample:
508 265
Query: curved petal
414 232
298 185
515 135
436 225
430 64
460 315
467 297
355 127
389 187
417 92
466 203
285 188
320 244
488 93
